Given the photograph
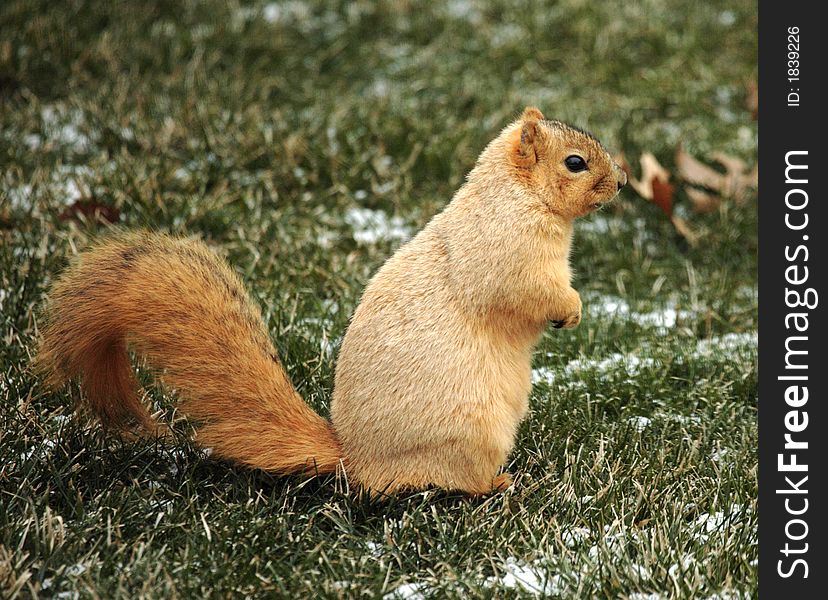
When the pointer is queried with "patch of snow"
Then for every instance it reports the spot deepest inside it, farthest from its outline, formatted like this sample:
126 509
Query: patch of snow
326 238
173 453
598 224
662 320
609 305
683 419
33 141
631 364
75 570
533 578
41 450
614 542
720 454
643 572
543 374
603 224
727 18
380 87
408 591
182 174
687 561
727 343
20 197
640 423
746 138
465 10
63 127
244 14
749 293
279 12
711 522
328 347
507 33
371 226
374 548
572 537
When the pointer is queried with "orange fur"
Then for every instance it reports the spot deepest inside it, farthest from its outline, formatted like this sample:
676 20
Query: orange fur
433 376
184 310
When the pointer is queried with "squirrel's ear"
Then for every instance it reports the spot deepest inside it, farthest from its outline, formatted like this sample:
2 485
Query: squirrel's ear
525 146
530 112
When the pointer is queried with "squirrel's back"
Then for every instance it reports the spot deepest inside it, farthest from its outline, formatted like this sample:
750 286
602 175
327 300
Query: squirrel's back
173 302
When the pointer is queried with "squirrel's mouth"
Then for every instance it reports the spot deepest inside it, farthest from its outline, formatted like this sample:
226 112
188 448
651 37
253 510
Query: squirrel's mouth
602 203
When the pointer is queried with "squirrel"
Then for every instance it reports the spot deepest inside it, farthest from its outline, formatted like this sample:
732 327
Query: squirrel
433 374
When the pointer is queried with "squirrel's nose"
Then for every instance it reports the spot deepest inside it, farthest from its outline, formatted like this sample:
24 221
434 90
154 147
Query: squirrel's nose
623 181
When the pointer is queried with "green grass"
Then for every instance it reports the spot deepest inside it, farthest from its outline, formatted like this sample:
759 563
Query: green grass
261 129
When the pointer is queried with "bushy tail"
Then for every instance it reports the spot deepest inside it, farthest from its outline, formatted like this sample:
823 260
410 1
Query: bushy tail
188 314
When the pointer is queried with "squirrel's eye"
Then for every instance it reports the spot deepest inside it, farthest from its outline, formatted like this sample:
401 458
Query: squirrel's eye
575 163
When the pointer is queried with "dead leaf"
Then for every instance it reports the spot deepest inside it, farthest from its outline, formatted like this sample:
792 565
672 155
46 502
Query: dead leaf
733 184
663 195
654 183
753 177
91 210
696 172
732 164
703 202
752 99
655 186
736 181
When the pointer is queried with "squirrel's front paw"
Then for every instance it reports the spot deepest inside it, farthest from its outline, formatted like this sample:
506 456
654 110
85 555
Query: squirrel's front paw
567 323
573 314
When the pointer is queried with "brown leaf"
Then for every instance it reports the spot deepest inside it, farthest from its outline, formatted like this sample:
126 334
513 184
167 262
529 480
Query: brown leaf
703 202
752 99
734 183
91 210
654 183
736 180
655 186
753 177
732 164
663 195
698 173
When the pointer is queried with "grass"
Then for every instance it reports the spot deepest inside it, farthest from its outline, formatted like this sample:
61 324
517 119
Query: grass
263 128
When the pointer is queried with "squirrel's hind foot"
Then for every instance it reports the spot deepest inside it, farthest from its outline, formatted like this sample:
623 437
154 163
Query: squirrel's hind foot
502 482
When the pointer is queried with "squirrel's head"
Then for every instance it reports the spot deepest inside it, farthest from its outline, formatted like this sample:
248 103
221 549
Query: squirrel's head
564 168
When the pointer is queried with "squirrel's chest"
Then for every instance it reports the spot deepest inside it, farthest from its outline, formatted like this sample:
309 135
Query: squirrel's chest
493 374
508 372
